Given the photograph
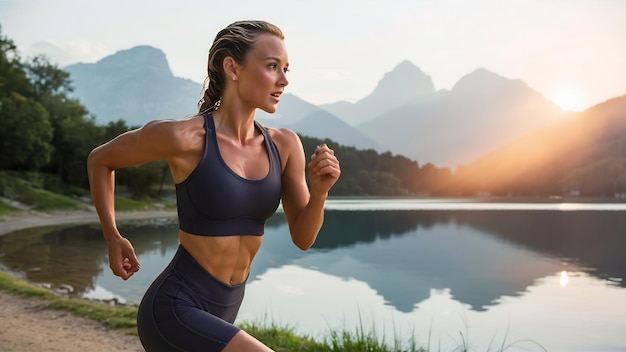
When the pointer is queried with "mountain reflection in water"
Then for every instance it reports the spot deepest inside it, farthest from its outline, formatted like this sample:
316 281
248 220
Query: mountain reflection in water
479 256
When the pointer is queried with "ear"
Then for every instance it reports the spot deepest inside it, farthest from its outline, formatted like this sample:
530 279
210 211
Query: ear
231 68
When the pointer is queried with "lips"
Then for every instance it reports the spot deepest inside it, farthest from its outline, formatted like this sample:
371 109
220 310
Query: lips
276 96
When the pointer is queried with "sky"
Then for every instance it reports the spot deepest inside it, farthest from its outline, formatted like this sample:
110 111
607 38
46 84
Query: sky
571 51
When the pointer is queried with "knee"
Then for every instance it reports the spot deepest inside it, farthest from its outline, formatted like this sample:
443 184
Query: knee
242 341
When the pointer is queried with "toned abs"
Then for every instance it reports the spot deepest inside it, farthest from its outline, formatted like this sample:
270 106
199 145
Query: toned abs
227 258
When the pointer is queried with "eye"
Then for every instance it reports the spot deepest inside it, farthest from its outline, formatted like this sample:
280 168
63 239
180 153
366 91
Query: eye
286 69
273 66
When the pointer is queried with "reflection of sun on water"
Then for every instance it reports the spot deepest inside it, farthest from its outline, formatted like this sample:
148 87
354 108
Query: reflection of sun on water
568 96
564 279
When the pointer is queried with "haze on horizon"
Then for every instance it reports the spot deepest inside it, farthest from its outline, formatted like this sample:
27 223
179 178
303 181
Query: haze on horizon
571 51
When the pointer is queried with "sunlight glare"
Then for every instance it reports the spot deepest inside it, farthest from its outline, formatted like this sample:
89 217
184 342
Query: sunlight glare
568 96
564 280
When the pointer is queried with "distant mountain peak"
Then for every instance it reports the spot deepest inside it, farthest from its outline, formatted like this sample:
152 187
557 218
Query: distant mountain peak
135 85
138 58
406 74
481 78
405 83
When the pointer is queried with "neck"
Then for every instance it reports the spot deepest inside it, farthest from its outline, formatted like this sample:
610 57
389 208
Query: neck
234 122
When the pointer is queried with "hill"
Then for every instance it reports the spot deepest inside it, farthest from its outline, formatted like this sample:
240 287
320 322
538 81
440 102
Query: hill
135 85
310 120
405 84
584 155
481 112
404 114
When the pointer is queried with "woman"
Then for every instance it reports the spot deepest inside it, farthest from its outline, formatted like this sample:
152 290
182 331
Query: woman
230 174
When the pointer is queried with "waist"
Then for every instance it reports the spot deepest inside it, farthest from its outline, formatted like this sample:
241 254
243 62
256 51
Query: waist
227 258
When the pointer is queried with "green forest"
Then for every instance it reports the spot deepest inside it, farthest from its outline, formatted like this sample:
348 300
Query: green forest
47 135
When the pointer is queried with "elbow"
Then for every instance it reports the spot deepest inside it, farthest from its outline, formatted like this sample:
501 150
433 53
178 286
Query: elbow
303 248
92 159
303 245
96 165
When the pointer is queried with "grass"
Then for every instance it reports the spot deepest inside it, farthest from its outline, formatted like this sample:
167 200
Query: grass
6 209
48 201
119 317
279 338
43 192
28 189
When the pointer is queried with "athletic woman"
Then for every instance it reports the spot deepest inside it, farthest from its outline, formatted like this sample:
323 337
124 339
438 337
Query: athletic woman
230 174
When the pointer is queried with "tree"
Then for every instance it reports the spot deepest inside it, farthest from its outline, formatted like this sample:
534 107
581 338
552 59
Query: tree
75 139
47 79
12 75
25 134
142 180
75 134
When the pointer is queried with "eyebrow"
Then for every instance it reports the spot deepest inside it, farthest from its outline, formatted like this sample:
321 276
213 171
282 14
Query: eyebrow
276 59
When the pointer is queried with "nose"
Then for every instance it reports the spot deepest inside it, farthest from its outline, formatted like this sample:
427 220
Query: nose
283 81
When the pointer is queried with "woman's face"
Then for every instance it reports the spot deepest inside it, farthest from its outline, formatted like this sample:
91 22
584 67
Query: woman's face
263 75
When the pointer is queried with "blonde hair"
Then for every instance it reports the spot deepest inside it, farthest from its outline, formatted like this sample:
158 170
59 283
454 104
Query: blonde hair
235 41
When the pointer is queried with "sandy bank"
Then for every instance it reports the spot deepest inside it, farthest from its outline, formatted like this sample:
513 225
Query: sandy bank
28 219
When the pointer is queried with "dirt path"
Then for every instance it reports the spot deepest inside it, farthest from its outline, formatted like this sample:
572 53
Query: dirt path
28 325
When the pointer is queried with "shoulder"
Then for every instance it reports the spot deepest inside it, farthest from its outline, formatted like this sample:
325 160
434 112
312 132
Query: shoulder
173 134
289 147
172 125
173 128
285 138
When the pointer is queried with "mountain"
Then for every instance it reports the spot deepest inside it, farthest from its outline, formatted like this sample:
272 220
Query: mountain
135 85
406 83
308 119
481 112
403 114
585 154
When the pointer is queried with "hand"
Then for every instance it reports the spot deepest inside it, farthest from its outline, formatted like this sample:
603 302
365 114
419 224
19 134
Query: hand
324 169
122 258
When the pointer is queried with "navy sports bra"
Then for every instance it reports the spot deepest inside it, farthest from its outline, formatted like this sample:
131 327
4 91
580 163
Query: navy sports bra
215 201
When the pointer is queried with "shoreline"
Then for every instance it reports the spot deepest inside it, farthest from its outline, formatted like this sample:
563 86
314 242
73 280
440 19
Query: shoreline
31 219
28 324
24 219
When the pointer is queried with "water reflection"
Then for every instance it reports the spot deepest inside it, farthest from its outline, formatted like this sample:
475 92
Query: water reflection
412 268
479 256
590 238
77 255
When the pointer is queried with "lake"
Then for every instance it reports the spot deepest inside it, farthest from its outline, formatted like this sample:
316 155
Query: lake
447 273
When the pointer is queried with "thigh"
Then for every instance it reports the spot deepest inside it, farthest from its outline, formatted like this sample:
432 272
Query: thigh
184 310
166 323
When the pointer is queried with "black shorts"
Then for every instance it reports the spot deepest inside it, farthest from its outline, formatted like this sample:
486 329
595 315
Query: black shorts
187 309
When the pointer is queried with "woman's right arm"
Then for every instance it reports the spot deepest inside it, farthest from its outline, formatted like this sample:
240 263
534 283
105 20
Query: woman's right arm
157 140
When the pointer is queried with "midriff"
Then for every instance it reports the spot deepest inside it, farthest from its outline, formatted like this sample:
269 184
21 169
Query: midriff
227 258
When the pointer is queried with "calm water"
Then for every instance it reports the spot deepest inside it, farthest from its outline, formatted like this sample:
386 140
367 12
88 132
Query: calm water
456 271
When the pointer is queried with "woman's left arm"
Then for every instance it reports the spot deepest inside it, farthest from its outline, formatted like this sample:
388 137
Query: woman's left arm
304 208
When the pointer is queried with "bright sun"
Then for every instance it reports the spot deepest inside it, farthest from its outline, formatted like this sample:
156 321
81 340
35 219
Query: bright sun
568 96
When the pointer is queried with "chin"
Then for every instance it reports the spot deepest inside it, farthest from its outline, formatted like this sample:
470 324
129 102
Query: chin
269 109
